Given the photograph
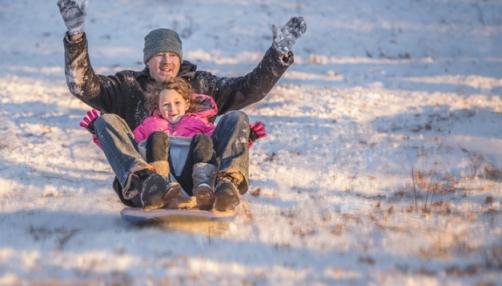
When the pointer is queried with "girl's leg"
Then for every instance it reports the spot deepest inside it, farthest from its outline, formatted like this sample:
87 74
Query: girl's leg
199 173
157 155
157 152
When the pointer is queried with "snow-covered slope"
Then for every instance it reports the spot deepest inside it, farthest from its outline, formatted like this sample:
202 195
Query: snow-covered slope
383 163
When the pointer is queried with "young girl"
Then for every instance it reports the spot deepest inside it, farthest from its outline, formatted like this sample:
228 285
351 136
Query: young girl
175 118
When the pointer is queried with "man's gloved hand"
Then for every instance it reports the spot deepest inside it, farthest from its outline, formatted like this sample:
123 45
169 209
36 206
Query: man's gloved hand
73 12
285 38
256 131
88 123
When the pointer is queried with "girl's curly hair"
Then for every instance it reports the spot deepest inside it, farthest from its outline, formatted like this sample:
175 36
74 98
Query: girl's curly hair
177 84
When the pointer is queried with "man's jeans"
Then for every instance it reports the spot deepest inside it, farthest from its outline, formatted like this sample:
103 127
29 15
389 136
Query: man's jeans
230 140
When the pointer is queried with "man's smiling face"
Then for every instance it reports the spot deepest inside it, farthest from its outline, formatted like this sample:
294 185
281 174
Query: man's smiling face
164 66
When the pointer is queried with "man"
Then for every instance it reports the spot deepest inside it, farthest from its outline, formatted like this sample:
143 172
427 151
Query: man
121 98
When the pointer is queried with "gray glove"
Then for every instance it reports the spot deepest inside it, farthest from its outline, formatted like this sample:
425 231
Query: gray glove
73 12
285 38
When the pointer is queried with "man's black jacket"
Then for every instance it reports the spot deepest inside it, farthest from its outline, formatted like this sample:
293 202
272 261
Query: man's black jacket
124 93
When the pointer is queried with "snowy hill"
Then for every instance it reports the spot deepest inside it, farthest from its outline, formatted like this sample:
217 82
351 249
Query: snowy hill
383 163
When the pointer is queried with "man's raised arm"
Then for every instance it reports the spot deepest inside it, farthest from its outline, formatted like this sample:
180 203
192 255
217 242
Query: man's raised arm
239 92
80 77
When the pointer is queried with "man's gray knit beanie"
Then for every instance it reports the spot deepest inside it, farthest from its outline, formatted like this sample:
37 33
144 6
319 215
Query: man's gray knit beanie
162 40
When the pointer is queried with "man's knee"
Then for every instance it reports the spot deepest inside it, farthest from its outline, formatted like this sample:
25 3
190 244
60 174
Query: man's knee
235 117
107 119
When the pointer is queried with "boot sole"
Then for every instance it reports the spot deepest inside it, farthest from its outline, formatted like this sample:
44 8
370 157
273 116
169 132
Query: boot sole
225 201
153 190
205 199
172 193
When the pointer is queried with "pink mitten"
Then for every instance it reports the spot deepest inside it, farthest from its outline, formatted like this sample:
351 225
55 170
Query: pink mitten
88 120
88 123
257 131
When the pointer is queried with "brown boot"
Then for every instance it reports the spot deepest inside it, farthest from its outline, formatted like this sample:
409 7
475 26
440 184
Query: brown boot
226 193
161 167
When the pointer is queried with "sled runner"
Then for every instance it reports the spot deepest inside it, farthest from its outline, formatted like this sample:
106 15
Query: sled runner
138 215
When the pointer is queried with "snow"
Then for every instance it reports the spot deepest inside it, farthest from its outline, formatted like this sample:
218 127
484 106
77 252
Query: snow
383 163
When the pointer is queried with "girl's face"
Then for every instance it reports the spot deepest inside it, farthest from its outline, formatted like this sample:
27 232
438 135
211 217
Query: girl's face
172 105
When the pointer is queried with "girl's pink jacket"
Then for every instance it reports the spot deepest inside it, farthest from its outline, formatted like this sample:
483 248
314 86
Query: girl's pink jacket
189 125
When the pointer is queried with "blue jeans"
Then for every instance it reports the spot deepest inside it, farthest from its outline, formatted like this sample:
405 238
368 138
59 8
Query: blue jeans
230 141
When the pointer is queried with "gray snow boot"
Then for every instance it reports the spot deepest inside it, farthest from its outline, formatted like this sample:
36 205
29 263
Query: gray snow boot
226 193
204 176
